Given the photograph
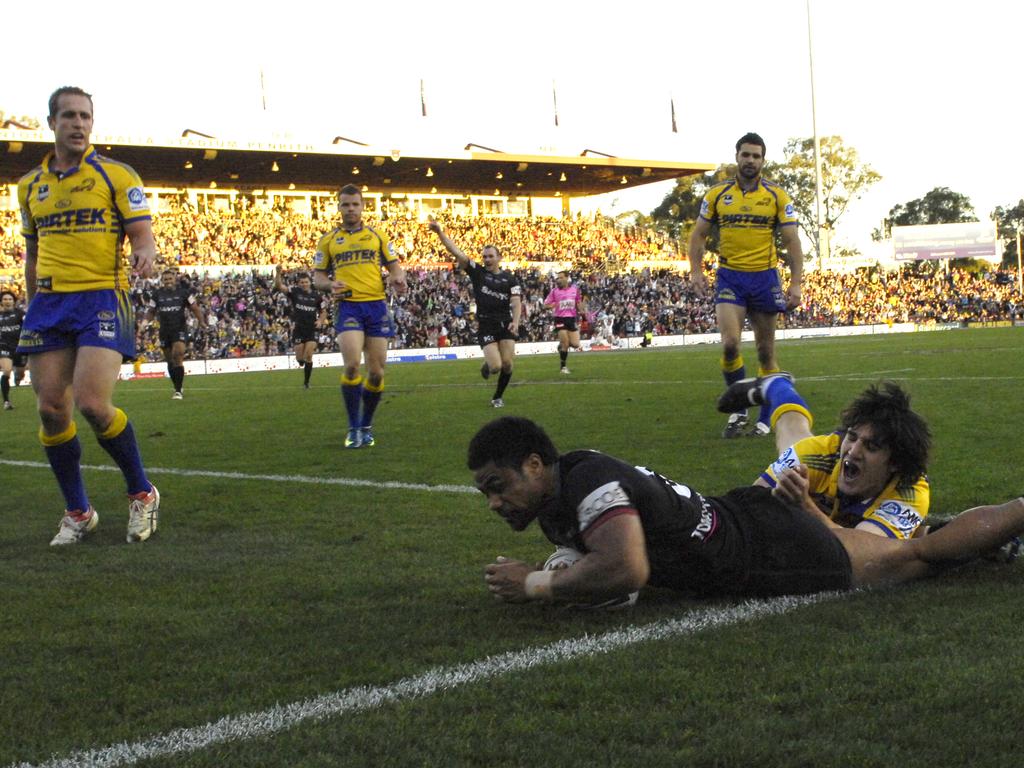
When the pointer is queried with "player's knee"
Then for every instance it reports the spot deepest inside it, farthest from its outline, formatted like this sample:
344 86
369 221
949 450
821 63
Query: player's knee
374 379
95 410
506 367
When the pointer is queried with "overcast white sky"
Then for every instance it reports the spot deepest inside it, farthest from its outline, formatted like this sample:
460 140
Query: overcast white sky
927 92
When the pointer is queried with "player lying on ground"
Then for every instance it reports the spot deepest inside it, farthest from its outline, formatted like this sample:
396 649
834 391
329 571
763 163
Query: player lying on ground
869 473
636 527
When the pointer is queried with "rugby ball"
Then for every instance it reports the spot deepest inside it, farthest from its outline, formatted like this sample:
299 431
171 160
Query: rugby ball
564 557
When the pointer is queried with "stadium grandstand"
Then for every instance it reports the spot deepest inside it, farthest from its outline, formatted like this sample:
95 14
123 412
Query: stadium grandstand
227 213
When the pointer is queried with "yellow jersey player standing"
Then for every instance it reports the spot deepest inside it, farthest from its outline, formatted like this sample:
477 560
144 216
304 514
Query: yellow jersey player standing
76 209
348 263
748 210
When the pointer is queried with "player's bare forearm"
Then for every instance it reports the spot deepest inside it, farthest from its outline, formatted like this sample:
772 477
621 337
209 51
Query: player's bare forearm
461 259
143 258
31 256
323 281
396 278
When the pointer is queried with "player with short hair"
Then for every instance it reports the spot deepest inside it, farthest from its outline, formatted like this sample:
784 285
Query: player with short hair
76 208
306 309
636 528
11 318
499 307
748 210
348 263
169 303
869 474
567 300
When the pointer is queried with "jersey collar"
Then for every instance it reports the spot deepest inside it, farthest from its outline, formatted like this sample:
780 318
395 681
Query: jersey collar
48 163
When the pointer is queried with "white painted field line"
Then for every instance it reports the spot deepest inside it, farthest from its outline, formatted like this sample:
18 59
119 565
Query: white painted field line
308 479
257 725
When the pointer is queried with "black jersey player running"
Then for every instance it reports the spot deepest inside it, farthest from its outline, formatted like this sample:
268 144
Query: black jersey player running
169 303
11 319
307 309
498 308
636 527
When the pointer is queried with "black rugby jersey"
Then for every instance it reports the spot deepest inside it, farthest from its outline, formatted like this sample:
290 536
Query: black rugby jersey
171 304
305 307
744 542
10 327
493 292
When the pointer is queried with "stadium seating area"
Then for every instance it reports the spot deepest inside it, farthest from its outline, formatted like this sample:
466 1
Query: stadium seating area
247 317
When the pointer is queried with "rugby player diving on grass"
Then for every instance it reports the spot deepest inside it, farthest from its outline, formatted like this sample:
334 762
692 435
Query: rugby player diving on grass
637 528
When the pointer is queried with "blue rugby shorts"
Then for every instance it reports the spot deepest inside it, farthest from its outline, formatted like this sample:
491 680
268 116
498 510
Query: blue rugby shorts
102 318
371 317
759 291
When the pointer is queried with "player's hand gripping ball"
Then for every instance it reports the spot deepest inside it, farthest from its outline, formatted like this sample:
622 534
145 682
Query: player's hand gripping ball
564 557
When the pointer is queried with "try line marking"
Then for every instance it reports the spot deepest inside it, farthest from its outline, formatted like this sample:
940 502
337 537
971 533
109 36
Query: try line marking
258 725
350 481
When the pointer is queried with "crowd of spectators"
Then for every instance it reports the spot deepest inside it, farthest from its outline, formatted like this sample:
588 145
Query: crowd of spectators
247 317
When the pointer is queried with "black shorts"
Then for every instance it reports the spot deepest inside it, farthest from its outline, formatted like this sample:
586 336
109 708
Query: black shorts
171 338
565 324
491 330
18 361
789 552
302 335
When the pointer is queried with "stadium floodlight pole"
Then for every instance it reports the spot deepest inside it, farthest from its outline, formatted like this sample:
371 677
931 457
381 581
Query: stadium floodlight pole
1020 275
823 253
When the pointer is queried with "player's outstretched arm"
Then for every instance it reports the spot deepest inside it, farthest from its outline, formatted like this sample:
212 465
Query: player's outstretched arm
615 564
460 258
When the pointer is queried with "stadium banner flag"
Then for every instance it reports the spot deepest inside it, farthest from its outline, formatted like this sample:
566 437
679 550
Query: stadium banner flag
967 240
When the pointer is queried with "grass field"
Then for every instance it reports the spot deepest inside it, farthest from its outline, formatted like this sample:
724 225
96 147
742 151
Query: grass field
303 605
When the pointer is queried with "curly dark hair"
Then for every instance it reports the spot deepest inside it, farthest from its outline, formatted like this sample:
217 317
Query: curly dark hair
508 442
886 409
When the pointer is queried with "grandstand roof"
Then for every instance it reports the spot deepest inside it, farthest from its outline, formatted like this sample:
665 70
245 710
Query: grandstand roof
195 160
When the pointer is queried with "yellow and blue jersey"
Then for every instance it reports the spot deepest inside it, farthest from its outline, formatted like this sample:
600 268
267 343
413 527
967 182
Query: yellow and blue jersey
747 223
356 258
896 511
78 219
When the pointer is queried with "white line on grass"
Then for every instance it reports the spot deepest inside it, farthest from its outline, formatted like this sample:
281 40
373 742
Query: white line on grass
351 481
257 725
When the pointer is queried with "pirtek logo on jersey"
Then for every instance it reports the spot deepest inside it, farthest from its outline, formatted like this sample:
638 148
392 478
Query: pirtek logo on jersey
80 217
348 256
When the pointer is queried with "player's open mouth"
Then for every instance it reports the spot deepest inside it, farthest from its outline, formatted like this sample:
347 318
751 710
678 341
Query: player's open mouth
850 470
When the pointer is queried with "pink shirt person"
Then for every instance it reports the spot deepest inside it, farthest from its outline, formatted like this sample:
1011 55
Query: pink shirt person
564 300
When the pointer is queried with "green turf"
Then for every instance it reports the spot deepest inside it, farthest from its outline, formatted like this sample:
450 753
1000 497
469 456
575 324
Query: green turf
262 592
